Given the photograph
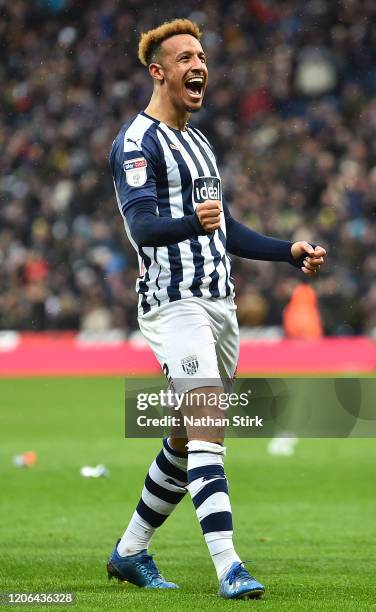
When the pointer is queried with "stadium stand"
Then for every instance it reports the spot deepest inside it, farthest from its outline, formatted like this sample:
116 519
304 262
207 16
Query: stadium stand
290 109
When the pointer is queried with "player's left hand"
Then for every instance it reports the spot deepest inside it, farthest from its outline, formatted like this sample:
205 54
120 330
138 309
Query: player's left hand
315 256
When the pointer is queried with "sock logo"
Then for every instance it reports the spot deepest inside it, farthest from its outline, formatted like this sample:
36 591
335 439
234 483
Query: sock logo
206 188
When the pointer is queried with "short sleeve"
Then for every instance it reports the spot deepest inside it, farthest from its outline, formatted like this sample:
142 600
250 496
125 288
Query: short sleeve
133 167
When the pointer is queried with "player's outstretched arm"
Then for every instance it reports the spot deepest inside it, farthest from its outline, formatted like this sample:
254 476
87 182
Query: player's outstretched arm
247 243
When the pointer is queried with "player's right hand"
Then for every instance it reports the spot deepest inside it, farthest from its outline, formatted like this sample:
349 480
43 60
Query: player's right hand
209 215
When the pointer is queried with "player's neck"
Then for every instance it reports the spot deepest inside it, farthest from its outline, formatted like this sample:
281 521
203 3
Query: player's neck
163 111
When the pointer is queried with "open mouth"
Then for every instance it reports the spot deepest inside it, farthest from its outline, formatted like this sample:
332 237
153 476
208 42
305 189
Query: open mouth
195 86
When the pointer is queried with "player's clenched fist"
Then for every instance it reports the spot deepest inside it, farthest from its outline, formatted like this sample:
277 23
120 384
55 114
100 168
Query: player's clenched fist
209 214
313 257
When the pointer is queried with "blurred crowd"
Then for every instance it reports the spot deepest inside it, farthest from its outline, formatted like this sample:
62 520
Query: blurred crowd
290 110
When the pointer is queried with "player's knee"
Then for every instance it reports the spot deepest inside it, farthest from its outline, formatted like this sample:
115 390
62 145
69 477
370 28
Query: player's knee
178 444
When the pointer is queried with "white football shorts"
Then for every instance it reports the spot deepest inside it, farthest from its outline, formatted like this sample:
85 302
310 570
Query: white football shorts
196 341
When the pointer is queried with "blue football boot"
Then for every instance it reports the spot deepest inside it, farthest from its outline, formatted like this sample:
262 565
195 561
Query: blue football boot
138 569
239 584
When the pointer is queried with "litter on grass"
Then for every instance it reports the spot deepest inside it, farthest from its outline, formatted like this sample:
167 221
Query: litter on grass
94 472
27 459
283 444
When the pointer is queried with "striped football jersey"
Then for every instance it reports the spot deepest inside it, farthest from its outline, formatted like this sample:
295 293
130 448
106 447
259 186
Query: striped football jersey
176 170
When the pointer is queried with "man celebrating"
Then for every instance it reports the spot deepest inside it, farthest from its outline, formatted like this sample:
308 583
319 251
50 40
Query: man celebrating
169 193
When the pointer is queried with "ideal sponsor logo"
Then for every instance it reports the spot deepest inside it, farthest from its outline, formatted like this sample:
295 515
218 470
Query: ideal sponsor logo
206 188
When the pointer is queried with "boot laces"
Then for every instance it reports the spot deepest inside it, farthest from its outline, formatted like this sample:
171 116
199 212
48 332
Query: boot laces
148 568
238 573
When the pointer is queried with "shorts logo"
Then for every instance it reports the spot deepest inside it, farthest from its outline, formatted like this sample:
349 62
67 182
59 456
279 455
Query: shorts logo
206 188
135 171
190 365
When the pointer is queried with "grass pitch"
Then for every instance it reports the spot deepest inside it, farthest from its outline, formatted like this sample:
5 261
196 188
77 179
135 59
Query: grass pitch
306 521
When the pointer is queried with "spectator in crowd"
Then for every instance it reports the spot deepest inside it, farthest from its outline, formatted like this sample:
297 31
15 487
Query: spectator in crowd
301 318
291 110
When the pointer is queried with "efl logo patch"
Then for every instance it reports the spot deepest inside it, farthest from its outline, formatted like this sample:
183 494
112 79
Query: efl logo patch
135 171
206 188
190 365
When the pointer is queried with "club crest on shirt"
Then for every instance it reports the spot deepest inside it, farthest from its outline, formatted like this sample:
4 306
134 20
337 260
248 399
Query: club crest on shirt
206 188
190 365
135 171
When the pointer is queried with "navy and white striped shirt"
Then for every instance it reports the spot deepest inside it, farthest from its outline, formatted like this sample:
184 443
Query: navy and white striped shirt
176 170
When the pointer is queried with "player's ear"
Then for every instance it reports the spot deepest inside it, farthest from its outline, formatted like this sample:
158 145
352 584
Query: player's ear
156 72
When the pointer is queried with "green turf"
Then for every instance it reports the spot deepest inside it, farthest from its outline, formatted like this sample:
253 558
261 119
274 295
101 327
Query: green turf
307 521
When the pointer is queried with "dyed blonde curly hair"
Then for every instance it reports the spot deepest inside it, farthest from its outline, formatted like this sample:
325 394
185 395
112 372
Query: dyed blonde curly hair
150 41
